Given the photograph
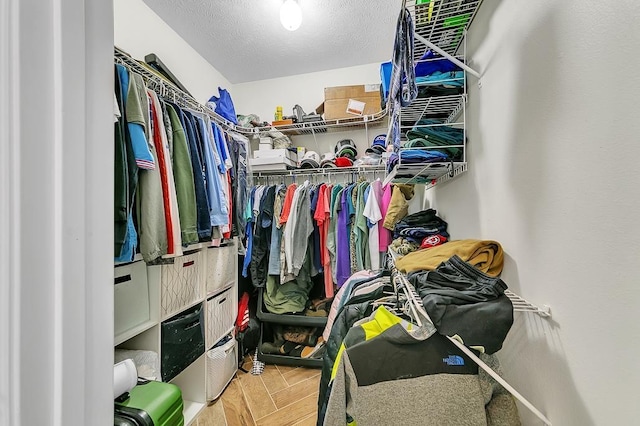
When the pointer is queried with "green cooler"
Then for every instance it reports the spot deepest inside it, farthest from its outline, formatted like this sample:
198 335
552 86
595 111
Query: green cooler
151 404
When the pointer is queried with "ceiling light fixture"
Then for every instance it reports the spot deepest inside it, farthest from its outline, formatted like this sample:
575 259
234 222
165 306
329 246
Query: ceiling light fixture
290 15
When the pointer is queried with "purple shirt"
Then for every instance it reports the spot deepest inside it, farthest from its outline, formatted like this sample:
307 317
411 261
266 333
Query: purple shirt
343 254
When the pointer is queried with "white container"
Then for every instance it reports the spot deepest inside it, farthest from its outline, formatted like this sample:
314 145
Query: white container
131 297
221 267
180 284
220 316
266 144
271 163
276 153
222 364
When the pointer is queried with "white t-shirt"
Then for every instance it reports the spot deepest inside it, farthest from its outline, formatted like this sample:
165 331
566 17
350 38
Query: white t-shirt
373 214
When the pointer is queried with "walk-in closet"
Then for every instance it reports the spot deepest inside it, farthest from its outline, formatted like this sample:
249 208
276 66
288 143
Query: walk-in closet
291 212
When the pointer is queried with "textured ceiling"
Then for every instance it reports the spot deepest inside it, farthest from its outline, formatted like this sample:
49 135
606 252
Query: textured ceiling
244 40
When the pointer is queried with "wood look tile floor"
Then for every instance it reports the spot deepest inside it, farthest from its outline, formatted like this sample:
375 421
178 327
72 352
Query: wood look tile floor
280 396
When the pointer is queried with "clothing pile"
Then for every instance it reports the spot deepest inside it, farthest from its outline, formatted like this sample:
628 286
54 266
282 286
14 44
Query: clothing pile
419 230
438 76
178 177
376 359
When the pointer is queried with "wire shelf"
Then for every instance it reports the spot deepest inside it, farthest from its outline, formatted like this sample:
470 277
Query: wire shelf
165 89
447 107
442 22
339 125
429 174
519 304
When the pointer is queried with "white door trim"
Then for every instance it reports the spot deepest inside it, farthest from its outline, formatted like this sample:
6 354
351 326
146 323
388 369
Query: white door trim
9 220
56 212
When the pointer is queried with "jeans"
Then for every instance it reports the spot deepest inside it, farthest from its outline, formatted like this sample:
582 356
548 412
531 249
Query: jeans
464 301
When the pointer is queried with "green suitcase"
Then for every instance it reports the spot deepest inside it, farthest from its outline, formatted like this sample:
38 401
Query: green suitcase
161 402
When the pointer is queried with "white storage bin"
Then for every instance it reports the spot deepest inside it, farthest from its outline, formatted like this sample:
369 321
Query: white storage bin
222 364
131 297
221 267
220 316
180 284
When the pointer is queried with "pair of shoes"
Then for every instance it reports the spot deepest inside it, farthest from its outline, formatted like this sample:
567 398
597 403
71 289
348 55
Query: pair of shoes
316 351
278 348
319 313
301 335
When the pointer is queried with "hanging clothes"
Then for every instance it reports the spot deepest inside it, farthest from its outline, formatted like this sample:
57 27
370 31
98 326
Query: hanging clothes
203 222
169 197
419 365
184 180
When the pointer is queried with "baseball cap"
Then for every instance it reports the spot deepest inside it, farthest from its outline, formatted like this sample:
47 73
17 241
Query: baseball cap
344 162
346 148
328 160
378 146
311 160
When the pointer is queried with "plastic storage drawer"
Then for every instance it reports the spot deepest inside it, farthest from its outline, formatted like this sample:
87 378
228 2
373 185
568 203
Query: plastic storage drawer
182 341
152 403
131 297
222 364
181 284
221 267
220 316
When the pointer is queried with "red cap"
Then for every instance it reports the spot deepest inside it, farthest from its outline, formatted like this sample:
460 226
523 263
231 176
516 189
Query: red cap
344 162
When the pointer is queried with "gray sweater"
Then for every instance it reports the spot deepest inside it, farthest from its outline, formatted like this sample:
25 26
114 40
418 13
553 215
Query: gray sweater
398 377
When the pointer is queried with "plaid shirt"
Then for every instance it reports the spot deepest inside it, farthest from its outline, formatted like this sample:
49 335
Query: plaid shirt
402 93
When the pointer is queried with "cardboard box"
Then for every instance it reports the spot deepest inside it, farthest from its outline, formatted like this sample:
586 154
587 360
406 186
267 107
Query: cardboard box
337 108
282 122
355 92
351 101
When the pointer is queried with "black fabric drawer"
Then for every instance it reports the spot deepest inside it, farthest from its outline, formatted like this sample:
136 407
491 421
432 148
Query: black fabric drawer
182 341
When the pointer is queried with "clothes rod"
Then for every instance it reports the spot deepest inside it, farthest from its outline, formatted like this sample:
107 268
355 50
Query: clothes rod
450 57
168 90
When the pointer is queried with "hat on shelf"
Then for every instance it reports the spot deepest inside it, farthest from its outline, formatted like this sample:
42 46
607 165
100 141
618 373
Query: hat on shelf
311 160
344 162
328 160
378 146
346 148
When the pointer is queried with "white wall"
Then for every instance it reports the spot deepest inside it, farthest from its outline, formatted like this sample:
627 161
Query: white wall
140 31
307 90
553 176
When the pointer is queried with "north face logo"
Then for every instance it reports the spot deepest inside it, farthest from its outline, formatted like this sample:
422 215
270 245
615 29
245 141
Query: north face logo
453 360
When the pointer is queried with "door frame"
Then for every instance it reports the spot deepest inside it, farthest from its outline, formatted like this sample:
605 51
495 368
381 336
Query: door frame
56 177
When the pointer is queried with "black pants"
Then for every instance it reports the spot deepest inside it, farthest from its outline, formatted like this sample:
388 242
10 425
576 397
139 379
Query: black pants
463 300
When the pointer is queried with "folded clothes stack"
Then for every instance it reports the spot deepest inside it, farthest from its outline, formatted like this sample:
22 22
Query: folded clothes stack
416 156
437 136
419 230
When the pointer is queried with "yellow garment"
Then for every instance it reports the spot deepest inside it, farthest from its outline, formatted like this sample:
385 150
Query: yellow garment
381 320
398 206
485 255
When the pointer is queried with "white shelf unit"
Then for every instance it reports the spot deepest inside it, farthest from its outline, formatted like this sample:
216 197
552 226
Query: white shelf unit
215 277
441 27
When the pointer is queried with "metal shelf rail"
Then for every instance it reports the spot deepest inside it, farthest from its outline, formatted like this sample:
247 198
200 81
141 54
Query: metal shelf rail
168 90
439 26
402 284
322 175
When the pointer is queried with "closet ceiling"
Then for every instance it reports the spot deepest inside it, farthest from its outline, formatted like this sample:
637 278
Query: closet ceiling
244 40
